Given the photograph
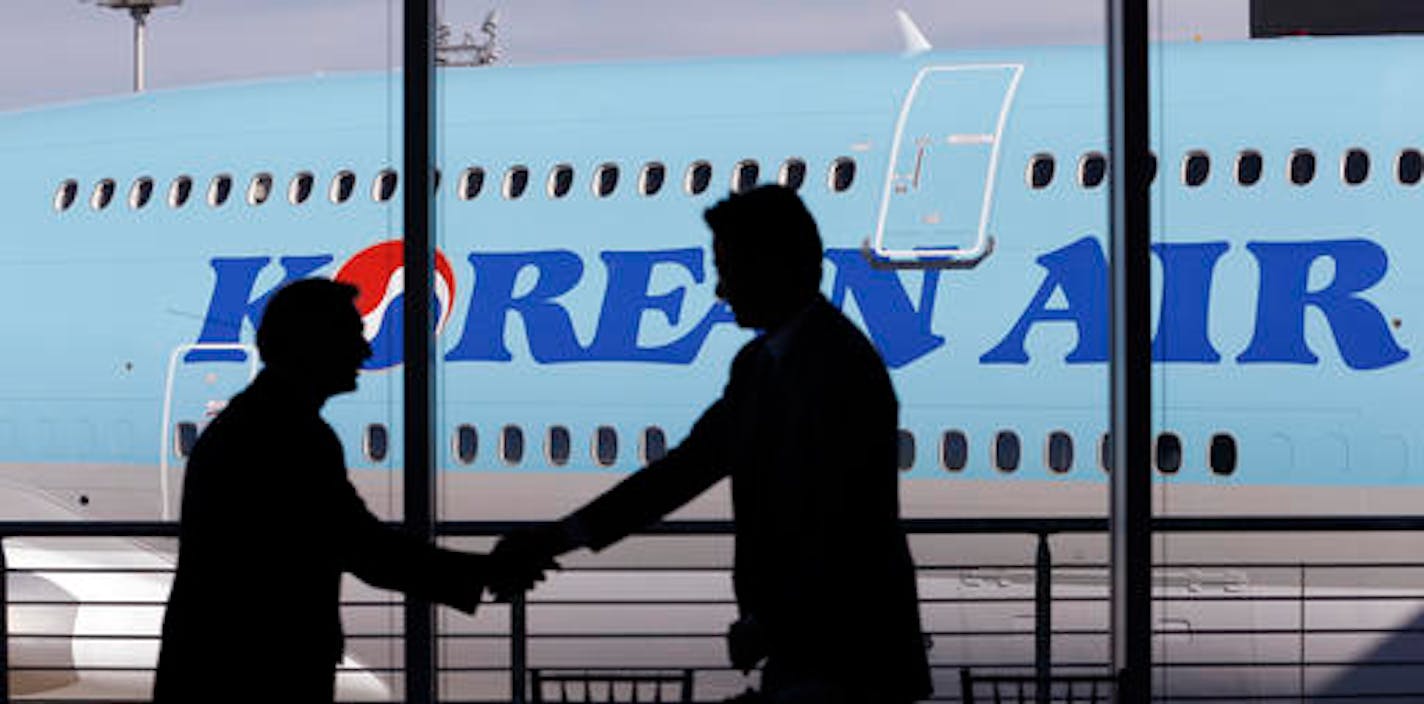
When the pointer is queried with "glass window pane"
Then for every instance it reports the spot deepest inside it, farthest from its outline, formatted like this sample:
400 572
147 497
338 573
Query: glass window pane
699 177
1093 170
793 174
561 180
141 192
651 180
558 446
654 444
1006 451
180 191
1410 167
605 446
471 182
467 444
1356 166
1302 167
842 174
516 180
301 189
605 180
954 450
905 450
1060 451
511 444
1249 167
1040 170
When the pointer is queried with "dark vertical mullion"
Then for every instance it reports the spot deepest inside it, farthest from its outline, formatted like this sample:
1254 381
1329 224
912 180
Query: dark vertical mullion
418 407
1131 363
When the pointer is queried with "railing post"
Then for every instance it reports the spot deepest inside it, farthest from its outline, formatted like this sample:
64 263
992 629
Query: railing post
1043 622
518 648
4 626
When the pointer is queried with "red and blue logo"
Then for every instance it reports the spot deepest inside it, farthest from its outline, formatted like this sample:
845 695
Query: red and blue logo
378 273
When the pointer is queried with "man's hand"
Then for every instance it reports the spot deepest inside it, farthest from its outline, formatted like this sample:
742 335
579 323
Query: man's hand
746 643
521 557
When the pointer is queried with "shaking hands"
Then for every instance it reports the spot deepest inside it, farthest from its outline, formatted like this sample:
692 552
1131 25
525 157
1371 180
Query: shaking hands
521 558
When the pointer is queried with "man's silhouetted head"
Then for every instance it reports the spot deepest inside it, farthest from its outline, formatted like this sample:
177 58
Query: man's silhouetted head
311 331
767 250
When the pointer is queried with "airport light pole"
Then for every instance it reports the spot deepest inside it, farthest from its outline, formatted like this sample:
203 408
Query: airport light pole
139 11
1130 385
419 112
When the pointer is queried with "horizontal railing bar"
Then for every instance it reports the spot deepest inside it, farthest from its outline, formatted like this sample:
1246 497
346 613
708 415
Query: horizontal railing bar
919 526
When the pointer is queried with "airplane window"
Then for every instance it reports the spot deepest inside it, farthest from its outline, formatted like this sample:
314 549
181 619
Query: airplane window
435 181
1302 167
1151 167
699 176
219 190
260 189
377 442
511 444
905 450
1092 170
301 188
558 445
654 444
180 191
1196 168
605 180
467 443
605 446
1040 170
842 174
471 182
384 187
1356 166
515 181
954 450
185 436
103 194
1410 166
1248 167
561 180
1222 454
1168 453
793 174
1006 450
140 193
1105 452
651 180
744 177
1060 451
343 186
66 193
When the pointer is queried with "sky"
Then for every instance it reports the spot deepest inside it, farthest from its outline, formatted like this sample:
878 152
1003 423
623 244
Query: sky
66 50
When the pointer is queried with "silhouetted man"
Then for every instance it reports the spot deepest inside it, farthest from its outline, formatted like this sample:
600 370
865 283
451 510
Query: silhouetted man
807 430
270 522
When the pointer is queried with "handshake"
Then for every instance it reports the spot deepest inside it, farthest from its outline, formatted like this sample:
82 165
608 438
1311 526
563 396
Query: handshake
520 559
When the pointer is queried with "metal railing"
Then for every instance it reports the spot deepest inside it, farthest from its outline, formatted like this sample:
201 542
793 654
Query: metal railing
1276 628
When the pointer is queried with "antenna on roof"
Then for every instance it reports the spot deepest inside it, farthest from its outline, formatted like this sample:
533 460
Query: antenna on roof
138 10
468 52
915 42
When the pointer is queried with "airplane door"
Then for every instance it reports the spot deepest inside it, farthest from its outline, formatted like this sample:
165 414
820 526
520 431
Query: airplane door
194 392
939 187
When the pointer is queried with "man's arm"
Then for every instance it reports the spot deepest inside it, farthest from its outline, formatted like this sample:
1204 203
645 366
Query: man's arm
636 502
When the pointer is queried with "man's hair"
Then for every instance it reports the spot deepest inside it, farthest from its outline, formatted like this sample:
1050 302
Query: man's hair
769 228
300 314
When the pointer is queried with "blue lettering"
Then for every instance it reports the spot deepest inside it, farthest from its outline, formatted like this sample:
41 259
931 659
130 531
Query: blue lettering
627 299
546 322
1081 271
233 303
1186 294
899 330
1361 333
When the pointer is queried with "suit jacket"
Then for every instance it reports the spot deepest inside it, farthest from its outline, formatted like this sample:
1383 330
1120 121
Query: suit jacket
269 523
807 430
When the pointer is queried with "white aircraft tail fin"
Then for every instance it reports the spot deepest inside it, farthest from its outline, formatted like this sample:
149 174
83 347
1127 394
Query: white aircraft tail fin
915 42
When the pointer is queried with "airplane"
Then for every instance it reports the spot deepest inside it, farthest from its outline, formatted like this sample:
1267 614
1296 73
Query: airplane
579 335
